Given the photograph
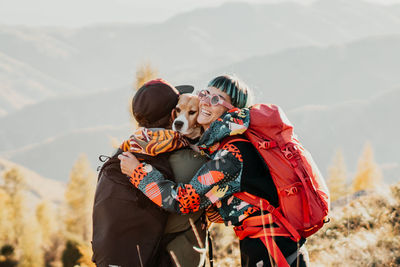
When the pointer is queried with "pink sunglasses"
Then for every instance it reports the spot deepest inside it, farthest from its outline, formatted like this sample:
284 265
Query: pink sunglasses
212 99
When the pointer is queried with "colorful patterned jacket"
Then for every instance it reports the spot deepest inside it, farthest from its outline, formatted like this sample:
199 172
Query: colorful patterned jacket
214 183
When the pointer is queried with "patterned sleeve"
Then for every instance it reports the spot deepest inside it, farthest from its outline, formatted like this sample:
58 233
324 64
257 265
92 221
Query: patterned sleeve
217 179
125 146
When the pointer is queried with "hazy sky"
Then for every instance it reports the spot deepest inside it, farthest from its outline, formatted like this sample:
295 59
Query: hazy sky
75 13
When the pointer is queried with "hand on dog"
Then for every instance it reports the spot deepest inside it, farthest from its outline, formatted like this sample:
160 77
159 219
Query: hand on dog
128 163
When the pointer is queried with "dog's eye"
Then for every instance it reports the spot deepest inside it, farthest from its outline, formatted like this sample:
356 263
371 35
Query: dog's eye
178 110
192 112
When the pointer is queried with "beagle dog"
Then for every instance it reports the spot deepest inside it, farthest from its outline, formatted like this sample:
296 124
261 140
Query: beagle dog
185 116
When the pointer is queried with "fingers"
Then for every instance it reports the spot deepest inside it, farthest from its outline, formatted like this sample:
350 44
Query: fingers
126 155
128 163
123 164
125 169
129 154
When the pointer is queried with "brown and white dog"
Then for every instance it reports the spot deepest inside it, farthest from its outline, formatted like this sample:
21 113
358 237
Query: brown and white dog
185 116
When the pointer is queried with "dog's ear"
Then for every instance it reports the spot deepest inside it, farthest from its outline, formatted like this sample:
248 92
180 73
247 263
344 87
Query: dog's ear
173 114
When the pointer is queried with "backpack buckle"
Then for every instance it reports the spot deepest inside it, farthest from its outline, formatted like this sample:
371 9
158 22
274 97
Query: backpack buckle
287 153
291 191
262 145
270 208
266 144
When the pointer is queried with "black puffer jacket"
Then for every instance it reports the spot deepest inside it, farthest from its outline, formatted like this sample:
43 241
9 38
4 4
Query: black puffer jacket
125 222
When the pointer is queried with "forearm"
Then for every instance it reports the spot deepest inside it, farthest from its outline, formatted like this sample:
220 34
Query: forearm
214 181
178 198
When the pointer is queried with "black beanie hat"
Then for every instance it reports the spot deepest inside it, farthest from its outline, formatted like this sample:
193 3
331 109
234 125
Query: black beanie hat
153 103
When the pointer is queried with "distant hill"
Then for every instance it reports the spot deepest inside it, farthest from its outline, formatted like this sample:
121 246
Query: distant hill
106 56
22 85
39 188
291 78
321 75
56 117
323 129
49 136
56 156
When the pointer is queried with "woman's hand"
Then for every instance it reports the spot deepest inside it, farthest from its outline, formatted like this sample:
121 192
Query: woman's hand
128 163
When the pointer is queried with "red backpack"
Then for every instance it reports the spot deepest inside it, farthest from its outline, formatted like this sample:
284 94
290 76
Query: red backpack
303 195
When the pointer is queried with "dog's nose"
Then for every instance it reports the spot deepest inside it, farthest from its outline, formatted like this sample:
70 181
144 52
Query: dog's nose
178 125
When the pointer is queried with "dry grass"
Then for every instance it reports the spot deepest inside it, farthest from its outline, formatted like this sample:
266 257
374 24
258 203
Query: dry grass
225 246
363 232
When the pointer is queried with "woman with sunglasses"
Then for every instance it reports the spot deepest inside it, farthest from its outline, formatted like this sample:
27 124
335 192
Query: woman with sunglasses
234 167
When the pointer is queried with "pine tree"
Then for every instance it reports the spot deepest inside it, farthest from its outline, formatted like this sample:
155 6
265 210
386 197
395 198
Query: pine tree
32 253
7 258
5 224
337 177
86 256
23 234
49 230
71 254
369 175
47 221
79 198
145 73
15 210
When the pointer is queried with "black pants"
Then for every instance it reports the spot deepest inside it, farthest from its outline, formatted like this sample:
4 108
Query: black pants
254 253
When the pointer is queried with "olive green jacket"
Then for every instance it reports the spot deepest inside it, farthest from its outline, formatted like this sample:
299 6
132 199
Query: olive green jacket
185 163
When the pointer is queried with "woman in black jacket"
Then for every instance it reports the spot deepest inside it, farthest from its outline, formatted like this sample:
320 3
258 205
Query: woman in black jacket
128 228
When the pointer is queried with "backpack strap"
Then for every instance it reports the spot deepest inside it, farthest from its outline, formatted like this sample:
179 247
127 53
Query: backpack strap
264 204
254 227
276 254
240 138
289 152
232 139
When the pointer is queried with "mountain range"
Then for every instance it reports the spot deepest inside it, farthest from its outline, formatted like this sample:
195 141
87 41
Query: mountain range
88 59
318 127
334 66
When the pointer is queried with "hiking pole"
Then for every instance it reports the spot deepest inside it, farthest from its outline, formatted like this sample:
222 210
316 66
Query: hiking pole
140 258
174 258
271 228
202 250
210 250
265 231
196 233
